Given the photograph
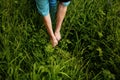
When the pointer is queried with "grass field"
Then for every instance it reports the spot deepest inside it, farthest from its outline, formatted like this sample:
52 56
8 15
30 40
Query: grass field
89 49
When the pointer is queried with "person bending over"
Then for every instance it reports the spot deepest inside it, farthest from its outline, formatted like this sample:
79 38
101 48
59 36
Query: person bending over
44 7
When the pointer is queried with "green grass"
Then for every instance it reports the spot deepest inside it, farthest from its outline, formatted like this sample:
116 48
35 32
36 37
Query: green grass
89 49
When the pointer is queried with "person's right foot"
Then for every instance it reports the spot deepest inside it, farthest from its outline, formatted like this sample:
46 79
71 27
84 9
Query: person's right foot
54 42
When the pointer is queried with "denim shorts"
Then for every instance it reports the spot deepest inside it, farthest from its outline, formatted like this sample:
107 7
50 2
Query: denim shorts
43 6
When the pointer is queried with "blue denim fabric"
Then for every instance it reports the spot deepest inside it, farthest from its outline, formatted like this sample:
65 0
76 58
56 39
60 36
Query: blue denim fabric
43 7
53 2
66 3
46 6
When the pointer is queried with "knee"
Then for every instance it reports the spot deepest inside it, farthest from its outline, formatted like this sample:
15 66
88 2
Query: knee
43 12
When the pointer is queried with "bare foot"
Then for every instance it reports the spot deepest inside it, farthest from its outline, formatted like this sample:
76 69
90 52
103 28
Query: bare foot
58 36
54 42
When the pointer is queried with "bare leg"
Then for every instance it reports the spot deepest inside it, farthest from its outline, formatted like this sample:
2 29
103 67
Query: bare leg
60 16
48 24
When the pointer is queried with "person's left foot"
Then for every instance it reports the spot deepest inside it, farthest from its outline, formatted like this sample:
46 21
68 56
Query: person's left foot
58 36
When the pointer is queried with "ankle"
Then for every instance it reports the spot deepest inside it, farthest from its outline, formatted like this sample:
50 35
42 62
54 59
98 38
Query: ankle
52 37
57 32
